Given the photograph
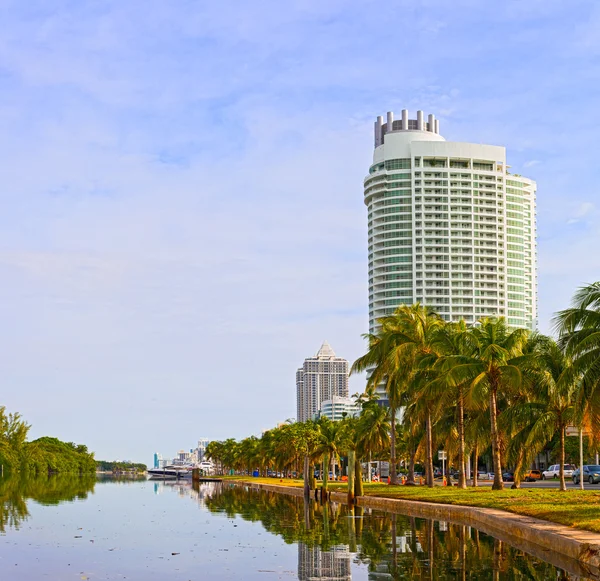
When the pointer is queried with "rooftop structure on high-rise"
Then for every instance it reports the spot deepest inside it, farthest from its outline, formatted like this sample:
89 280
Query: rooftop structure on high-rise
449 226
320 378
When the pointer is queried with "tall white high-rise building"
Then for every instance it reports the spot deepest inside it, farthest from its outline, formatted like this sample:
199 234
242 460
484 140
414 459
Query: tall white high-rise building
320 378
449 226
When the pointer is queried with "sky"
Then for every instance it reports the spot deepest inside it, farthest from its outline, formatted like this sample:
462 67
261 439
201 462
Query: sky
181 190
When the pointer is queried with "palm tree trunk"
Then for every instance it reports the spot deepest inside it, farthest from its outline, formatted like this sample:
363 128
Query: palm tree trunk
462 477
358 483
306 477
497 461
411 466
429 446
325 469
475 462
561 474
430 548
394 546
519 468
393 475
351 459
352 530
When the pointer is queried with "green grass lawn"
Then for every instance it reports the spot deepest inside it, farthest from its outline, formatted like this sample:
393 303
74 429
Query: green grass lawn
574 508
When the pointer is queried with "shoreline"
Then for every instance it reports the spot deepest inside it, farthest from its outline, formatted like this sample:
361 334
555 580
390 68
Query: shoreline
574 550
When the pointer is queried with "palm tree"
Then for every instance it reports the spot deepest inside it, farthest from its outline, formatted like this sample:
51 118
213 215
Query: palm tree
249 453
372 431
394 350
579 331
495 366
328 444
553 400
412 434
453 342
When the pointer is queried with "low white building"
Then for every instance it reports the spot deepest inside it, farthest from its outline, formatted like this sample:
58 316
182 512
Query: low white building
338 408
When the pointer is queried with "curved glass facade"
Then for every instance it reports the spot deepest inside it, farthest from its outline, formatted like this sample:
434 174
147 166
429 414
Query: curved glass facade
449 227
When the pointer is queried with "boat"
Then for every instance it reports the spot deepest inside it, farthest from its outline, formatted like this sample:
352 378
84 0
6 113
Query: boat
171 472
206 467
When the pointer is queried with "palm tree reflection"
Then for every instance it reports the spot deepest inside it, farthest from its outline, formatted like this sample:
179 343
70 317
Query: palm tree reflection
331 537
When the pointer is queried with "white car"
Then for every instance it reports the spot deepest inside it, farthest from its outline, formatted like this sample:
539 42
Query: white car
554 471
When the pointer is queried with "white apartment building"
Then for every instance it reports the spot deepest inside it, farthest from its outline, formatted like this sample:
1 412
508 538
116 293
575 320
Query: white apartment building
337 408
320 378
449 226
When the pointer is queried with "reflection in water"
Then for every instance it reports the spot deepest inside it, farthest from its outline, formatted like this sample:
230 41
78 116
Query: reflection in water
48 490
332 536
313 563
184 488
334 542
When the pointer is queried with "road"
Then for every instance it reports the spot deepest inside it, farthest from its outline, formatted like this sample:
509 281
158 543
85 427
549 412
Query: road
543 484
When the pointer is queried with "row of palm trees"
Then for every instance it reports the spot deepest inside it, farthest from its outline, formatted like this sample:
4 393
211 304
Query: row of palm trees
296 448
467 388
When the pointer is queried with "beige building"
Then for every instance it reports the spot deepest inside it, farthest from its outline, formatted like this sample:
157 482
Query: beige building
319 379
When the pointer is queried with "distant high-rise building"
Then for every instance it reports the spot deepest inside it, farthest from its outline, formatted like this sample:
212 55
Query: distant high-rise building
201 449
320 378
449 227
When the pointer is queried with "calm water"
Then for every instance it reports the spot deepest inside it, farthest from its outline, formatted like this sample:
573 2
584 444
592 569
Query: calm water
74 529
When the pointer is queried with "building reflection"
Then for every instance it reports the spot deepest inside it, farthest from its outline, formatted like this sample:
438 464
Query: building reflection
199 492
331 565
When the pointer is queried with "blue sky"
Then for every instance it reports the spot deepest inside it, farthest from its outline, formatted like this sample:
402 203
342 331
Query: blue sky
182 219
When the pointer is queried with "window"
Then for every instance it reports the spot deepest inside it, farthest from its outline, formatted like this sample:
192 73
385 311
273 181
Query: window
434 162
391 164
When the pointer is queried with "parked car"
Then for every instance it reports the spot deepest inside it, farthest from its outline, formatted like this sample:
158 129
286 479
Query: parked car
554 470
508 477
532 476
591 473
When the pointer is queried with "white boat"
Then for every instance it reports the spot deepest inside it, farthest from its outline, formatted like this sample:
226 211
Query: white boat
170 472
206 467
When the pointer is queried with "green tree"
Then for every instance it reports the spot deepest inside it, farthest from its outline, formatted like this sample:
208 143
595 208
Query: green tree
373 430
330 441
552 401
495 366
403 339
579 334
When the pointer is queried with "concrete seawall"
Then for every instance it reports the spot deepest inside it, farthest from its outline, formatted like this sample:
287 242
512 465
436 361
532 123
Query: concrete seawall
574 550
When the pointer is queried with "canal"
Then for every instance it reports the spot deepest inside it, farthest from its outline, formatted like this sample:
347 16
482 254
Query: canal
67 528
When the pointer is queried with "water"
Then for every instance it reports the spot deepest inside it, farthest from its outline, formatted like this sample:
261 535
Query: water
71 528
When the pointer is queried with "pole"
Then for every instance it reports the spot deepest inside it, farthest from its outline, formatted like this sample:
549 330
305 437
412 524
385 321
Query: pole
444 470
581 458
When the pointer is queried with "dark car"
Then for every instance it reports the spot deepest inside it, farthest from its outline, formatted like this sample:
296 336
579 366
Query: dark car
591 474
508 477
